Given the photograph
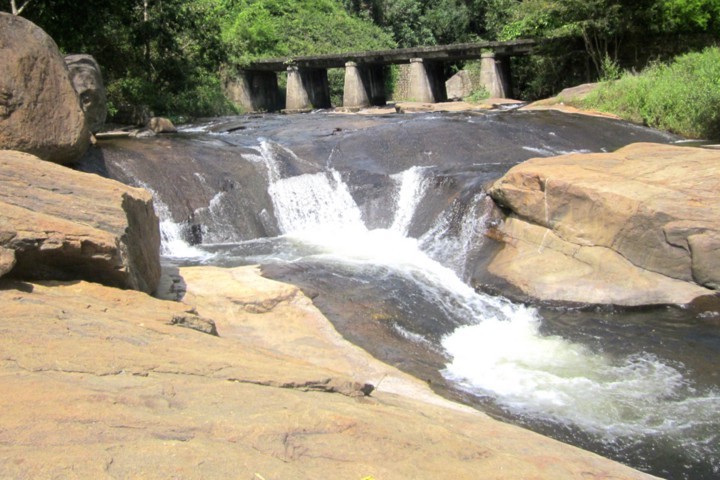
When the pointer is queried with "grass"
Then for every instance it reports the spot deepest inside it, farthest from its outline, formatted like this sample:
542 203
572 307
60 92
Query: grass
682 97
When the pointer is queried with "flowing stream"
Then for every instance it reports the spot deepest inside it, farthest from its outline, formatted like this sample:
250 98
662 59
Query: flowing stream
388 254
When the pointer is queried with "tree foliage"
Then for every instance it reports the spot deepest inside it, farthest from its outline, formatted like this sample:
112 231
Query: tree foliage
168 54
277 28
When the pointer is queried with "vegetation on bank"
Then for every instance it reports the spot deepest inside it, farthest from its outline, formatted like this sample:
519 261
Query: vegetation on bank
681 97
174 55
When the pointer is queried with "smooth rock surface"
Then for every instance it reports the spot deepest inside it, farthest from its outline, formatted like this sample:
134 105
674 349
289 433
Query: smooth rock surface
99 385
646 213
68 225
40 111
88 83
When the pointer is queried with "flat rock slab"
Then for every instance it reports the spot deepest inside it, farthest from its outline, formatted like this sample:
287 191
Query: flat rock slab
67 225
98 383
638 226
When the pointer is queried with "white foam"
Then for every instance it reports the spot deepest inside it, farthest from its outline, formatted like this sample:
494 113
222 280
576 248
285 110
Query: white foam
556 379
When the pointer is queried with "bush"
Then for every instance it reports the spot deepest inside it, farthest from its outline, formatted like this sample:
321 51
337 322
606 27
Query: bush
681 97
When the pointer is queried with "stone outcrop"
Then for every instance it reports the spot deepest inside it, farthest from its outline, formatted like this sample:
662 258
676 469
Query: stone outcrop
570 100
87 80
161 125
63 225
39 110
100 385
486 104
459 85
633 227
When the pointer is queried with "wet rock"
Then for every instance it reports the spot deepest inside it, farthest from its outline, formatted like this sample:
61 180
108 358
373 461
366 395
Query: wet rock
88 83
63 225
638 226
39 109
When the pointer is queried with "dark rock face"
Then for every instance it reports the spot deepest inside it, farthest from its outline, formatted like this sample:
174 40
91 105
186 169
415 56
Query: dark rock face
75 226
39 109
88 83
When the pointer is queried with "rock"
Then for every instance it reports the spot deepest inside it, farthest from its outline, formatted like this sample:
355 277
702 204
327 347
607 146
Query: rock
161 125
487 104
62 224
142 133
204 325
570 100
637 226
88 83
705 252
459 85
98 384
39 110
7 260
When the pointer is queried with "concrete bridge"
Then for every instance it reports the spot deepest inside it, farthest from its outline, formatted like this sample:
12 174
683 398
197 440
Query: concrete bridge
257 88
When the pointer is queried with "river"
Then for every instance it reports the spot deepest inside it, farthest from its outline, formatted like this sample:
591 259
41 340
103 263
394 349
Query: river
381 220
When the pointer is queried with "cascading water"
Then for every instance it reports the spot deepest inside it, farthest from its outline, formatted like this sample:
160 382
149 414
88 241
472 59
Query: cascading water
496 348
488 346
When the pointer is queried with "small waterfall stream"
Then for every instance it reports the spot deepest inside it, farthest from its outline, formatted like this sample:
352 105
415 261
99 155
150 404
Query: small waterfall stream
635 406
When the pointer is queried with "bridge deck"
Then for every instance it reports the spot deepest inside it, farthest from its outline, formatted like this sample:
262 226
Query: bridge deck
462 51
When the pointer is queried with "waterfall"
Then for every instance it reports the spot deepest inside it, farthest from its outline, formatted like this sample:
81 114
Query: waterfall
412 185
172 234
308 201
458 232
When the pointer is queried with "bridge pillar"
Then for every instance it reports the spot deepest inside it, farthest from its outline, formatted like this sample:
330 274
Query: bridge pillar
494 76
255 91
364 86
426 83
307 89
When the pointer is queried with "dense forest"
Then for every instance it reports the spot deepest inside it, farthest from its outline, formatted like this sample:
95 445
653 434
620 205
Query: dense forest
173 55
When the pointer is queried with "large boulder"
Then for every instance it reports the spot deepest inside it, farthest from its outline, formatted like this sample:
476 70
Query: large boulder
66 225
39 109
459 85
88 83
637 226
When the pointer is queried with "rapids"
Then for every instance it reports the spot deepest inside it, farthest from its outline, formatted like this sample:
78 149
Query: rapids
381 221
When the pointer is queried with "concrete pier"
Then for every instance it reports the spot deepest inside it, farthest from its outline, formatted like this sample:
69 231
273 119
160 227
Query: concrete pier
364 86
307 89
493 76
255 91
365 74
426 82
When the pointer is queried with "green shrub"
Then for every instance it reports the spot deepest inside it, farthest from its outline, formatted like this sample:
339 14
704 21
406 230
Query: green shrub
478 95
682 97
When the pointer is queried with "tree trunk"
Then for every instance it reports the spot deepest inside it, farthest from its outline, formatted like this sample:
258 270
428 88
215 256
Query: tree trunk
18 10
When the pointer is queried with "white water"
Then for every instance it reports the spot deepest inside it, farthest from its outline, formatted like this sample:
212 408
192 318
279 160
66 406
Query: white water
173 244
499 350
412 185
457 232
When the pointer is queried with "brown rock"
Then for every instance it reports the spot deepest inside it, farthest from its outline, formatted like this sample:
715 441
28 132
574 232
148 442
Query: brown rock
39 110
705 252
87 81
161 125
63 224
487 104
7 260
646 204
99 384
